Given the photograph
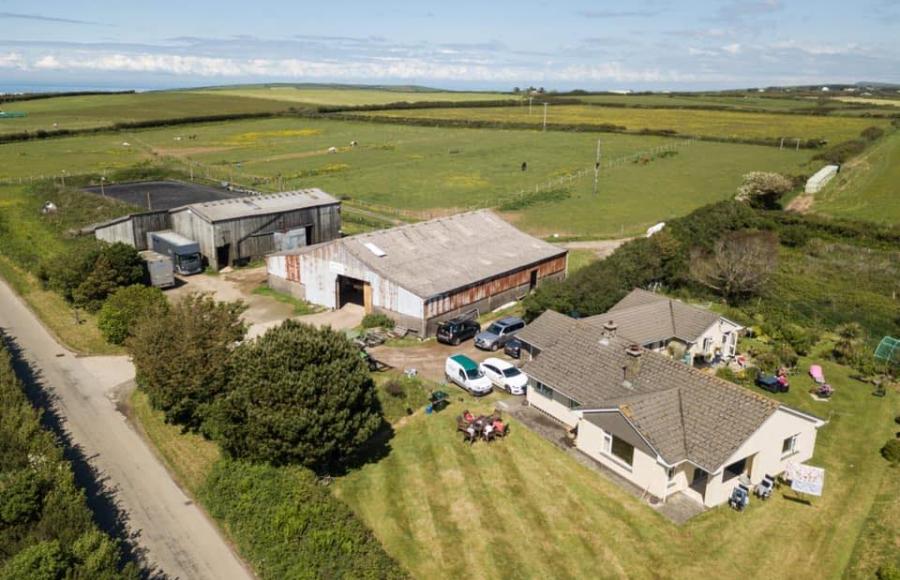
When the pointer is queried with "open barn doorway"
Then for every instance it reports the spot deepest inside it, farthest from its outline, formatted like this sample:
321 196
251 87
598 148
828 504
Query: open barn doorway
353 291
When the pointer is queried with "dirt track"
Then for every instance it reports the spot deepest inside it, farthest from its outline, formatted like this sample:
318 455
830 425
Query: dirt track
176 534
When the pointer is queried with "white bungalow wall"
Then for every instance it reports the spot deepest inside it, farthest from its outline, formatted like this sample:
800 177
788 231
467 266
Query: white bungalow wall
765 447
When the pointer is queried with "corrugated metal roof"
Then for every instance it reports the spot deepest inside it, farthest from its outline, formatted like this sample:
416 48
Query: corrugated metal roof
256 205
435 257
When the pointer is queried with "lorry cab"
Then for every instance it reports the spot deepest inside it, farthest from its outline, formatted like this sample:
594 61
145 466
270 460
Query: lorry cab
466 373
185 253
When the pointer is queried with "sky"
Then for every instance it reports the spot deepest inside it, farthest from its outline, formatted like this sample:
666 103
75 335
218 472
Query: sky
560 45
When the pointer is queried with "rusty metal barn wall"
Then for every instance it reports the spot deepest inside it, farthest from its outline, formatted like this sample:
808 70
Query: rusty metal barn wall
473 294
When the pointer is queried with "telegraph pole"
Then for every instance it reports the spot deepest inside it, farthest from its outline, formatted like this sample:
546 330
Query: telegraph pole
529 104
597 168
545 116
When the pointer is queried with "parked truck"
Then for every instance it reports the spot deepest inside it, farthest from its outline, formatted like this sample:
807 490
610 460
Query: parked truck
184 252
160 268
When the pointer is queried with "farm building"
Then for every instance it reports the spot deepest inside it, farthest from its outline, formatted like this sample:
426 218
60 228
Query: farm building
660 424
421 274
132 229
244 228
821 178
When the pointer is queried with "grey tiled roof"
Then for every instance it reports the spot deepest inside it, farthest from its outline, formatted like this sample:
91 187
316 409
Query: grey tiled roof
646 317
545 330
684 413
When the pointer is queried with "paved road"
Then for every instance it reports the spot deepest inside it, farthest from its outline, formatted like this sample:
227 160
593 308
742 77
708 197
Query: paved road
176 535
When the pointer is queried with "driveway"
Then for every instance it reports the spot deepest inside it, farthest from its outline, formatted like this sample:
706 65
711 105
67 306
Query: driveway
263 312
428 358
176 534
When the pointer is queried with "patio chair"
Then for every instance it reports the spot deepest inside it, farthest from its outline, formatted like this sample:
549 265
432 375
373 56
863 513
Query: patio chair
740 498
765 487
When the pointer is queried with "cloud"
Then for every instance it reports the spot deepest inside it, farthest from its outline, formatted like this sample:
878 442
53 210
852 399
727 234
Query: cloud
617 13
814 49
701 52
732 48
12 60
41 18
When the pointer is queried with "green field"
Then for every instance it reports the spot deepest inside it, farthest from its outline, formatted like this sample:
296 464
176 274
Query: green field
82 112
868 187
719 124
743 102
522 508
425 171
326 95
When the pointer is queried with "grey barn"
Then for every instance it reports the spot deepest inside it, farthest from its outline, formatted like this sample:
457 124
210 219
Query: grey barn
237 230
241 229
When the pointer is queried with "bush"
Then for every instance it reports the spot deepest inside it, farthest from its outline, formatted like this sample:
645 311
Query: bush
181 355
763 189
872 133
297 394
842 152
122 310
799 338
87 275
46 528
289 526
395 388
891 451
887 572
377 320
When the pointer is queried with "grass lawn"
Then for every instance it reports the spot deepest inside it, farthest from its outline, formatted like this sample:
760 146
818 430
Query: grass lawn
578 259
81 112
868 187
335 95
723 124
522 508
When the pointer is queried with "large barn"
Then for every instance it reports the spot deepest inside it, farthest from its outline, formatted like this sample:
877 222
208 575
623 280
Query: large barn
423 273
238 229
241 229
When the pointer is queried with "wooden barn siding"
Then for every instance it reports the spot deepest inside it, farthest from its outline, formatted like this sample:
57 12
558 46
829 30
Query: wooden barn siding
133 230
149 222
521 277
251 237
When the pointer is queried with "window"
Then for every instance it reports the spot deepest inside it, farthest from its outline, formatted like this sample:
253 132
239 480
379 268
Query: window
736 469
707 342
789 447
543 389
618 448
670 473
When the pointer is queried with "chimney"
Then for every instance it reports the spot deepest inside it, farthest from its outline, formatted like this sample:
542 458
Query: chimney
609 331
632 367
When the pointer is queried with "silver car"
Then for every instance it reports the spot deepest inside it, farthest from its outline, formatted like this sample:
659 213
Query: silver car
498 333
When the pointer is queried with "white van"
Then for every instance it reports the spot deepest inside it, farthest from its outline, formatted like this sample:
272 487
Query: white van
466 373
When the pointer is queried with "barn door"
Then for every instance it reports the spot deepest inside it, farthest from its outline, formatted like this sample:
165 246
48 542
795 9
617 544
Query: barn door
367 297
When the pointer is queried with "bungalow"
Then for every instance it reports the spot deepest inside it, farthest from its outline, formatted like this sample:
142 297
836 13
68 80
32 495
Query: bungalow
659 323
664 426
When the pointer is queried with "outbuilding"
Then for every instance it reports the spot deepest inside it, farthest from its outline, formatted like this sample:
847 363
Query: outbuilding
420 274
241 229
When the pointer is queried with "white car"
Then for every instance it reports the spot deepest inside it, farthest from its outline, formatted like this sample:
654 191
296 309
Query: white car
505 375
466 373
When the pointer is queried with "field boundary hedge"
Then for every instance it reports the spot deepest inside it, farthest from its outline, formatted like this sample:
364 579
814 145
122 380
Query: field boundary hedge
11 98
569 127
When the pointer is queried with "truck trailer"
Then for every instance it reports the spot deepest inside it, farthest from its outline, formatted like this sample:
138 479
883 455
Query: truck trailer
184 252
160 268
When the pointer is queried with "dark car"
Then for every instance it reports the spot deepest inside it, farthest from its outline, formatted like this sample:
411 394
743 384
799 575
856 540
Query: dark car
456 330
513 348
499 333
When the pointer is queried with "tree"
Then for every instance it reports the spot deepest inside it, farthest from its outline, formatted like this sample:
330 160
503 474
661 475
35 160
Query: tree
297 394
86 275
122 310
763 190
739 265
181 356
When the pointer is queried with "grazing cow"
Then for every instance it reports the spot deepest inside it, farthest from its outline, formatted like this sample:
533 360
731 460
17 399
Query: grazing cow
354 143
524 166
332 149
